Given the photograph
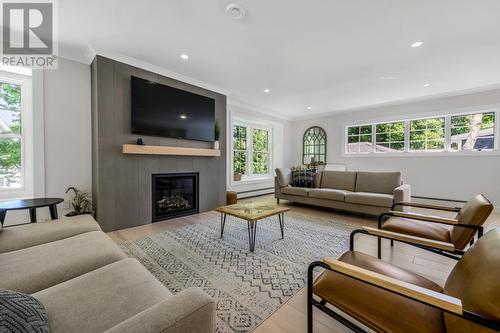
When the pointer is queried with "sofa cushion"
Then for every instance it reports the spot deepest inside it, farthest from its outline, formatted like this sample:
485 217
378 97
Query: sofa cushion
284 176
26 235
21 313
379 309
42 266
291 190
329 194
100 299
378 182
370 199
339 180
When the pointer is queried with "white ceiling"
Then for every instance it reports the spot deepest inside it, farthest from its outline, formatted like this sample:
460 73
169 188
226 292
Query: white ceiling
327 54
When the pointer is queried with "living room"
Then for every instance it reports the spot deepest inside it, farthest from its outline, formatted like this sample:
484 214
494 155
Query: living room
210 166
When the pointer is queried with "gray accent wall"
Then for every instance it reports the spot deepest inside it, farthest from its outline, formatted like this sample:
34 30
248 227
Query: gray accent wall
121 184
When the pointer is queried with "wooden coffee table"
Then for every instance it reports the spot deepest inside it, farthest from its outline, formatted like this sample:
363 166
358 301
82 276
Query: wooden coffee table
252 212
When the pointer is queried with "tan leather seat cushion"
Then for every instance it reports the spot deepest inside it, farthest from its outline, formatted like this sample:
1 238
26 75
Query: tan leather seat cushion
38 267
291 190
417 228
23 236
376 308
371 199
329 194
339 180
98 300
378 182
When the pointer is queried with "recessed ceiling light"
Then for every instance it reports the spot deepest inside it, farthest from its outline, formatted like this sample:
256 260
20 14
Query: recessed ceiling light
236 11
309 108
387 77
427 84
183 116
417 44
184 57
267 90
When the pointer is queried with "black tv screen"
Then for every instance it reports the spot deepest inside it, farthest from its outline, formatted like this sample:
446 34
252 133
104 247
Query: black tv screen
160 110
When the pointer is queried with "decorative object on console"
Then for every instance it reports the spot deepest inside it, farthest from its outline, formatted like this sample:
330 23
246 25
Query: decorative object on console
22 313
216 135
140 142
81 202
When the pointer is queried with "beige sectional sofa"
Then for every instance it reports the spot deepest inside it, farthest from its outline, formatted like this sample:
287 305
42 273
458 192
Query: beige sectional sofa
364 192
87 284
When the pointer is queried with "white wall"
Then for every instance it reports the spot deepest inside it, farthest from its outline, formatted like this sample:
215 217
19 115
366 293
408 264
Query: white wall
282 152
68 160
454 177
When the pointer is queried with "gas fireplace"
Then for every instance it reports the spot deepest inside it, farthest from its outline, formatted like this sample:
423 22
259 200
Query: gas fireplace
174 195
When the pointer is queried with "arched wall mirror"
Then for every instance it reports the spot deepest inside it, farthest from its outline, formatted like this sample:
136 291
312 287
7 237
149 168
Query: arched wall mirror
314 145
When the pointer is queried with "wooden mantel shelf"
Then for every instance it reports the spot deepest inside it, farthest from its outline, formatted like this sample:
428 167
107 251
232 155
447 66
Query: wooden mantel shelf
164 150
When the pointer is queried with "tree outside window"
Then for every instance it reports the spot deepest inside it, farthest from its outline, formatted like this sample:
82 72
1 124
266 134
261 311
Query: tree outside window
473 131
427 134
251 151
10 136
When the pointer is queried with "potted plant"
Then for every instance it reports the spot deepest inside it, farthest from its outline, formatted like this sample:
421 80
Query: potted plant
216 135
81 202
239 166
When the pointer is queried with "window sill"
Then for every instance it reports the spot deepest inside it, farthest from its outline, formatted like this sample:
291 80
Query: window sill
426 154
252 180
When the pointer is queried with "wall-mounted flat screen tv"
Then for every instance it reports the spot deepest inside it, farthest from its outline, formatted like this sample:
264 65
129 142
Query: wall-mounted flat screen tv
160 110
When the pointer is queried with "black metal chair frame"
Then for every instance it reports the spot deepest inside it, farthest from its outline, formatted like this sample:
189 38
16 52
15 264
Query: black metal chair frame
456 254
322 304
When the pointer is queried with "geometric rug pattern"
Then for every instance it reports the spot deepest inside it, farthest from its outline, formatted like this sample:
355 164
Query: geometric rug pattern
248 287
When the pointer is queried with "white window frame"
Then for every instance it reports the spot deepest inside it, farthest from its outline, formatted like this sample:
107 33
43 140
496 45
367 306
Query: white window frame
438 152
27 151
249 175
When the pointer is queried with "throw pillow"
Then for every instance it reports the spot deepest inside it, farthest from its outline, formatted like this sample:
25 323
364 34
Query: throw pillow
303 178
22 313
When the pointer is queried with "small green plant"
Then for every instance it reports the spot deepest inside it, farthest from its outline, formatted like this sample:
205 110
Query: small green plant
81 202
217 131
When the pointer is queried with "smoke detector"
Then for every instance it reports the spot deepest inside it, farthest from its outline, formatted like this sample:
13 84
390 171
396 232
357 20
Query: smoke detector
236 11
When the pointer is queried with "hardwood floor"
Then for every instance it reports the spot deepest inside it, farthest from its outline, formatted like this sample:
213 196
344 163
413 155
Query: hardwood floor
291 317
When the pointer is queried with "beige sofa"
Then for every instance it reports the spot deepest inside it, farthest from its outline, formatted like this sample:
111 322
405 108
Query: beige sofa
364 192
87 284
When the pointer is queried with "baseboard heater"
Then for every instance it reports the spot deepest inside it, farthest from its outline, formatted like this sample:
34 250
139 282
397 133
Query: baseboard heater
255 193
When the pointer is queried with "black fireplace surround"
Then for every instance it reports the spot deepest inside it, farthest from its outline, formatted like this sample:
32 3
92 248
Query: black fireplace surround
174 195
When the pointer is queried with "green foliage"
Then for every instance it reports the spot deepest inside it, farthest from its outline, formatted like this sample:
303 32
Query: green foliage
10 148
260 147
427 134
81 202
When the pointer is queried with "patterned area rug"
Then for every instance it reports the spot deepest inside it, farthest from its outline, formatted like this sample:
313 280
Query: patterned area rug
248 287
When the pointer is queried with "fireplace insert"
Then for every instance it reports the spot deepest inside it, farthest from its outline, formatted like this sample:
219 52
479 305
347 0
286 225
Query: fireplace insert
174 195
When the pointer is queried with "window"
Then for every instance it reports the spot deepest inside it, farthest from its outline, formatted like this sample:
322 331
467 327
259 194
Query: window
390 137
10 136
314 145
251 151
359 139
449 133
473 132
15 135
427 134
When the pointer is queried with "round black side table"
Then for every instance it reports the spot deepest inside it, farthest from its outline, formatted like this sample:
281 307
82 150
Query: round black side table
32 205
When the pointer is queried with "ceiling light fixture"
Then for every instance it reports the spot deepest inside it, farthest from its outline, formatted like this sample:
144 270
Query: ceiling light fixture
183 116
184 57
417 44
427 85
309 108
267 90
236 11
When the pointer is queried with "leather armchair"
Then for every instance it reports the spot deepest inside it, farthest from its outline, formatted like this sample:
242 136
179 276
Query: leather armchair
457 232
375 295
